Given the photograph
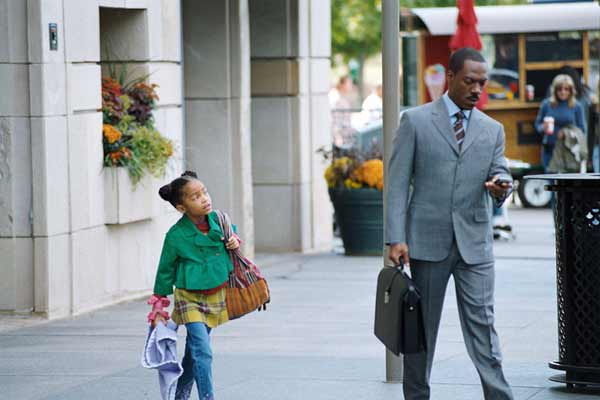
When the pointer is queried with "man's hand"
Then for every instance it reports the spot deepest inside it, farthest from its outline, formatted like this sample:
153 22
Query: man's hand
497 190
399 251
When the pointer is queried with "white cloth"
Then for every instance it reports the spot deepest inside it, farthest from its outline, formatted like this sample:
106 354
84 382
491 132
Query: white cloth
160 352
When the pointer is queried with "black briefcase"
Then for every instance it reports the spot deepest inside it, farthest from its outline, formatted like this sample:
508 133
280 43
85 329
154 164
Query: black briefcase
398 315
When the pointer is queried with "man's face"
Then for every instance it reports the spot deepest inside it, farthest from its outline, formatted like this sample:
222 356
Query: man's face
465 86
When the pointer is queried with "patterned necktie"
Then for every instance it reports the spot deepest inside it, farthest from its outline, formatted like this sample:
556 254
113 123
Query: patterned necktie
459 129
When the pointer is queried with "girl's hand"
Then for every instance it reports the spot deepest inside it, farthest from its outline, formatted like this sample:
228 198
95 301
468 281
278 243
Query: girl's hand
157 319
233 243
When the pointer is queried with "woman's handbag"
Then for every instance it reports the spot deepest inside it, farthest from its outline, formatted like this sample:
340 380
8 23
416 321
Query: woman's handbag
247 289
398 315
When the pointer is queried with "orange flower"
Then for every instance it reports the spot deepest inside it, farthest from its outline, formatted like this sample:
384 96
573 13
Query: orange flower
111 133
111 86
125 152
115 157
371 173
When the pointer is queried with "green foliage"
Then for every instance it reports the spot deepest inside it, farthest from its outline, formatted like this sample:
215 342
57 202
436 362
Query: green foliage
129 137
355 28
120 72
356 24
151 150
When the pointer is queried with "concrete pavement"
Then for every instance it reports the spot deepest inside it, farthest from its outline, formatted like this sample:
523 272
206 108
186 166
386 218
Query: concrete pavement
314 342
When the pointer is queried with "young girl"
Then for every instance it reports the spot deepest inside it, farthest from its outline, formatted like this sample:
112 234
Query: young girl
194 259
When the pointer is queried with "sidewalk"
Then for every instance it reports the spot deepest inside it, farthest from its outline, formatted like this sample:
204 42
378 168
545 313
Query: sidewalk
314 342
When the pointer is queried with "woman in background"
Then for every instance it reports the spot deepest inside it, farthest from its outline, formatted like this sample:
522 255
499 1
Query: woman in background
556 112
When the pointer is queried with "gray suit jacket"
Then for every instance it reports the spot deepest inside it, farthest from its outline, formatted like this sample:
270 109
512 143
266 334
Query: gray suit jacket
448 200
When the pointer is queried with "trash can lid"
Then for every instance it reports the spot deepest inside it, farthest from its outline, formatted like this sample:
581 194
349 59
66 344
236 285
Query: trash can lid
565 177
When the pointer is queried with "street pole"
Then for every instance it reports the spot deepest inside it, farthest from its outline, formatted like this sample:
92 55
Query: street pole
391 110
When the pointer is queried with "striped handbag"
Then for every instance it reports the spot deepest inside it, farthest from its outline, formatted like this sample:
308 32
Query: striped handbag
247 289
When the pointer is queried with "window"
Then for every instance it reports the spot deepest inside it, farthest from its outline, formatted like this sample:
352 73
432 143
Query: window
554 46
541 80
502 54
594 38
410 88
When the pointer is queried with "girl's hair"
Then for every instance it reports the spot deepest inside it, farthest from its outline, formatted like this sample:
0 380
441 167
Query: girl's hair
563 80
173 192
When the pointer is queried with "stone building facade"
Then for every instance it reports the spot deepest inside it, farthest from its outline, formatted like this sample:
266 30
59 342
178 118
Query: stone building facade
243 95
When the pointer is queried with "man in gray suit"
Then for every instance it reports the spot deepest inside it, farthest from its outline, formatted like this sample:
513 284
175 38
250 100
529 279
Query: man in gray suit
452 157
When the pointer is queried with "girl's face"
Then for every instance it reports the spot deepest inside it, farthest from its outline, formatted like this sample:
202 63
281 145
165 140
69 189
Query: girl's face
563 92
196 201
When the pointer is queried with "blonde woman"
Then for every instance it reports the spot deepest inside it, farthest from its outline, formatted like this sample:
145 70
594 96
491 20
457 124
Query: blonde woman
559 110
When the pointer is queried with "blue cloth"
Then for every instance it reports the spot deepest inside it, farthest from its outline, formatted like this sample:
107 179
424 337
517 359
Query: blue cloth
160 352
197 363
563 116
453 109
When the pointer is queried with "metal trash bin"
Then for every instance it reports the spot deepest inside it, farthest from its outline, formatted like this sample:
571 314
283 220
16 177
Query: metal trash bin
577 224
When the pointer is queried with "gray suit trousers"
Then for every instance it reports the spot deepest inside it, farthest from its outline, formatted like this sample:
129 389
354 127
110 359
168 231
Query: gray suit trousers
475 297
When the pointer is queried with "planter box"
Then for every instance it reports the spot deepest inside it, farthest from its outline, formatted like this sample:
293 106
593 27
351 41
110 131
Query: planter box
359 214
123 203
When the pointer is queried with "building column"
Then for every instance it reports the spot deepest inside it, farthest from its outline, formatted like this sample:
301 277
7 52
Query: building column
82 259
217 105
16 242
290 42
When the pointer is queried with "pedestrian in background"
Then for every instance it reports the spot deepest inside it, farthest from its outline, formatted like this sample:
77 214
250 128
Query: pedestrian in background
589 104
340 106
372 106
195 260
561 109
452 155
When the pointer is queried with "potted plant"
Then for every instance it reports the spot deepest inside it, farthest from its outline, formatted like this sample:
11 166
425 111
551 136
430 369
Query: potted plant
134 151
355 182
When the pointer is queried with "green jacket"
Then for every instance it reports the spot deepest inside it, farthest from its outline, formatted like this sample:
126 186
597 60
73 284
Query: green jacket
192 260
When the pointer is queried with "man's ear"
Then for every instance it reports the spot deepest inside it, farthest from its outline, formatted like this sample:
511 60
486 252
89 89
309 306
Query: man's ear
450 75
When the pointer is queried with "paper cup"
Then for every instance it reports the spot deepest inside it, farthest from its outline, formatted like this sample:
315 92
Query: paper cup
549 125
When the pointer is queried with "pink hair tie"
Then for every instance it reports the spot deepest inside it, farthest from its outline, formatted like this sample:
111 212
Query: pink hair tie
158 303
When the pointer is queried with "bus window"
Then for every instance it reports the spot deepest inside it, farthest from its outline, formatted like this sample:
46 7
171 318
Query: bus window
553 46
502 54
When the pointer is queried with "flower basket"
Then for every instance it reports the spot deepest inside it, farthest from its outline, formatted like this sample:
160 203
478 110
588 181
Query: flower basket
124 203
355 182
129 137
134 151
359 216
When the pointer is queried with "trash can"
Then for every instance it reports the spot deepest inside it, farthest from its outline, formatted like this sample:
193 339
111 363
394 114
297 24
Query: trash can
577 225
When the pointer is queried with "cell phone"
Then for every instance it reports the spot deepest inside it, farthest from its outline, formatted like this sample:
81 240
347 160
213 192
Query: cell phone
501 181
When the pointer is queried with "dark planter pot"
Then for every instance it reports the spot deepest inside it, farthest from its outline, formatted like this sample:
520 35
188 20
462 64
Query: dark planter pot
359 215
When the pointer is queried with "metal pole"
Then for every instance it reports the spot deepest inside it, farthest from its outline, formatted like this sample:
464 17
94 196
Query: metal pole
391 110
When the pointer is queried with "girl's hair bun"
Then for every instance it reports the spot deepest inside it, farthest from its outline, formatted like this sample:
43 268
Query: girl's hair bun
173 192
165 192
191 174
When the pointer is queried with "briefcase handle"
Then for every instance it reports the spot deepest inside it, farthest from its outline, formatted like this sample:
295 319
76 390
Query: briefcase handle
400 267
399 270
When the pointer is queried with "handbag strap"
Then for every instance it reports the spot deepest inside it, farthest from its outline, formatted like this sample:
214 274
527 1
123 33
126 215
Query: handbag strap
225 223
242 271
